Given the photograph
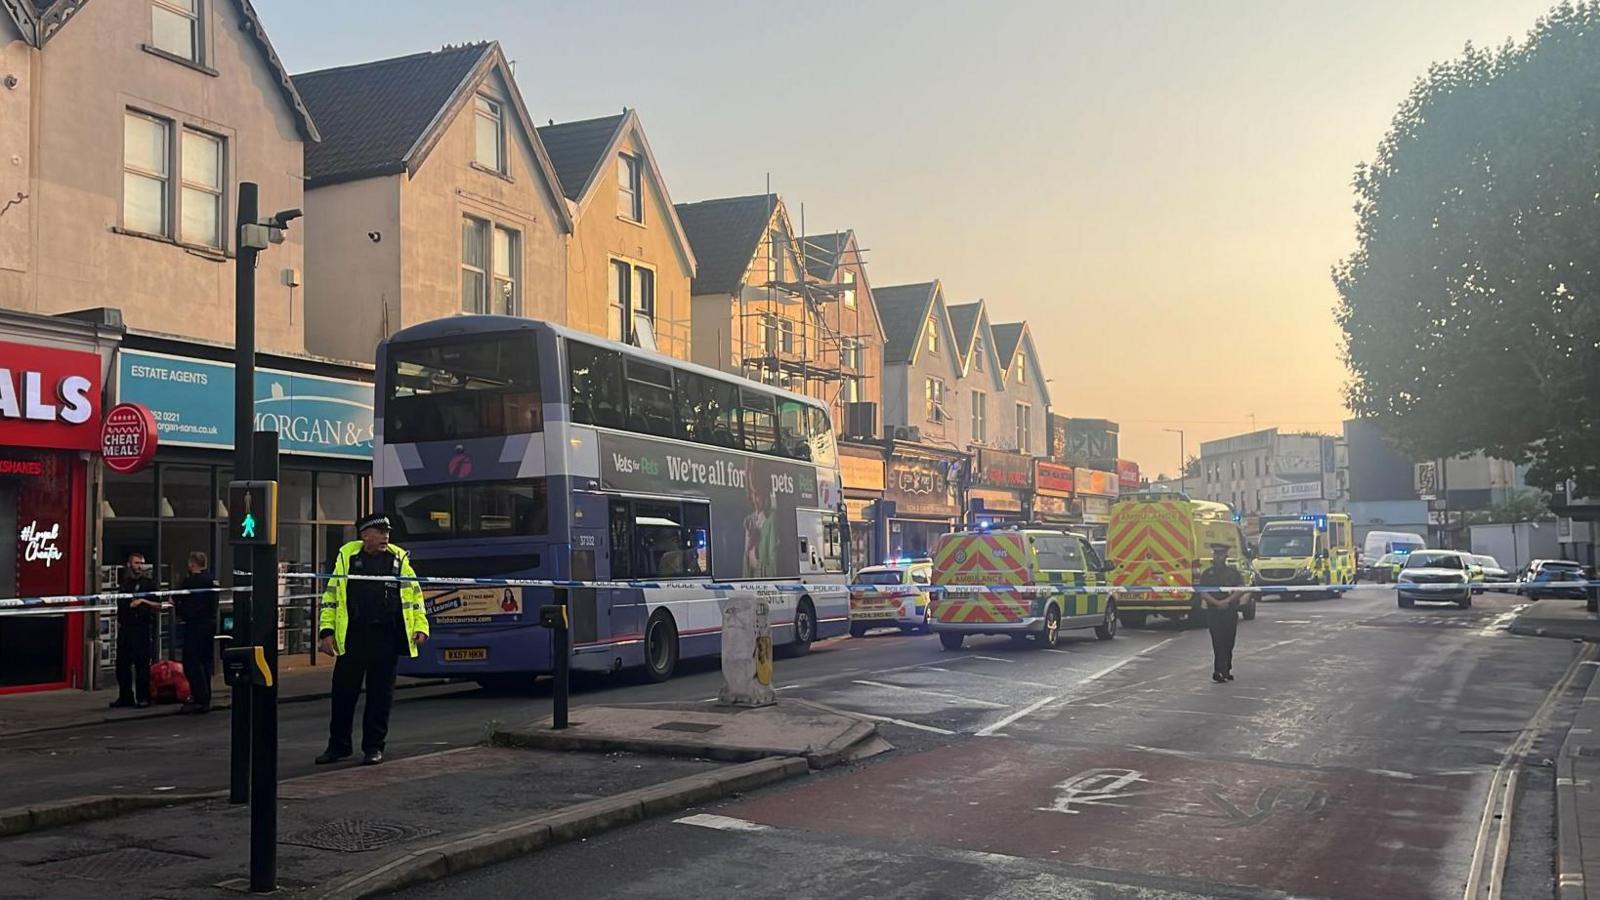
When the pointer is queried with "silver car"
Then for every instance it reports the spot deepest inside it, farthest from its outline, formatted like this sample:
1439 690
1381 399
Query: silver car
1436 576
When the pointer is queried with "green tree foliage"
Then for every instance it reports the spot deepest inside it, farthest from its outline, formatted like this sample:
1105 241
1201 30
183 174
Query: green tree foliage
1471 307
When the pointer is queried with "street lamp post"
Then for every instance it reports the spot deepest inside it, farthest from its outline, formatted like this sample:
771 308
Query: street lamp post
1183 458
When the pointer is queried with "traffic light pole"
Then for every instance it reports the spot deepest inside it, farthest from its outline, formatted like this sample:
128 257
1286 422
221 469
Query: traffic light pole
244 425
264 697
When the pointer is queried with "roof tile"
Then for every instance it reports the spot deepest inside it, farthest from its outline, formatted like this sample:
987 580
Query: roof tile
575 149
904 308
725 234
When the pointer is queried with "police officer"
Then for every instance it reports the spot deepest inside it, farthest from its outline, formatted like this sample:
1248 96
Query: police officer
366 625
1222 611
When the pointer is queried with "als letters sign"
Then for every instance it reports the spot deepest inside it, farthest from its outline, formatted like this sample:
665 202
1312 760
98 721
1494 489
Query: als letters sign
49 397
192 401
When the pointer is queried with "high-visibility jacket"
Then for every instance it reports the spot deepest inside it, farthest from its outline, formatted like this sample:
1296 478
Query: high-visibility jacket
335 615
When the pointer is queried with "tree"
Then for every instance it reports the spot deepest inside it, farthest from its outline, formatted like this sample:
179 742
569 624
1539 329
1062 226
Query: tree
1191 467
1471 306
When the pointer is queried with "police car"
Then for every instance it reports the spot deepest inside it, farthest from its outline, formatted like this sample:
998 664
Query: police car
885 607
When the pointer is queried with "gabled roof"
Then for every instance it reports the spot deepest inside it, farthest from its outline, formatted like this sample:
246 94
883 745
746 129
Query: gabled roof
385 117
725 234
964 319
576 149
578 152
39 20
904 308
822 253
1006 337
374 114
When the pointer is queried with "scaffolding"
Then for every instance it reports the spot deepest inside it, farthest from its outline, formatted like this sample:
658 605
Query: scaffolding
826 347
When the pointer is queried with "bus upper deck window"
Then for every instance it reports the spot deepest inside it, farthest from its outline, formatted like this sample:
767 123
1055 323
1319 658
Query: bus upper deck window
793 441
596 385
759 414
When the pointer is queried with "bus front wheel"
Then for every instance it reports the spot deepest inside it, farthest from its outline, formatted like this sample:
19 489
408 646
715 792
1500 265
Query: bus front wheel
805 628
660 646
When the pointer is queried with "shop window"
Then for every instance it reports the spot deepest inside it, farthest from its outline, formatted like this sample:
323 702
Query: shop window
130 495
338 497
186 492
178 540
294 496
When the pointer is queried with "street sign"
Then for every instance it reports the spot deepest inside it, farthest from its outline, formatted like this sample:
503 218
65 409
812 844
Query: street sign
1436 503
253 513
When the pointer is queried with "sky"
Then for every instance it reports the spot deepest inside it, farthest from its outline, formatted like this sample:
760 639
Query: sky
1158 187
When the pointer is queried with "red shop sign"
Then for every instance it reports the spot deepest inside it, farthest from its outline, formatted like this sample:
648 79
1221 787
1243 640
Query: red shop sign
128 438
1128 474
1052 478
49 397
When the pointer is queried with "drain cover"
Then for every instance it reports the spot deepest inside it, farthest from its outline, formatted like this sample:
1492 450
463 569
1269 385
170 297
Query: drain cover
357 835
692 727
115 865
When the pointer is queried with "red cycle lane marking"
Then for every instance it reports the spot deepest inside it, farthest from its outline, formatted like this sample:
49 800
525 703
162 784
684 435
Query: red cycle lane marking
1334 833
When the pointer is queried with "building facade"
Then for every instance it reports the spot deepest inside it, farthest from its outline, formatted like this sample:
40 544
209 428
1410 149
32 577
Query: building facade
1266 473
629 261
429 195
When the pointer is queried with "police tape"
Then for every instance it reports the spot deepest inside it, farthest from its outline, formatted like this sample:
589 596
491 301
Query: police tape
97 602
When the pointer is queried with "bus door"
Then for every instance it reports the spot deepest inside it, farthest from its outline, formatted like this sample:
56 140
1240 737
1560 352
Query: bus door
585 605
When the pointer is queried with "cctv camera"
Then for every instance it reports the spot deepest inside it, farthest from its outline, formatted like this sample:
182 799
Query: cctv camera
283 217
375 236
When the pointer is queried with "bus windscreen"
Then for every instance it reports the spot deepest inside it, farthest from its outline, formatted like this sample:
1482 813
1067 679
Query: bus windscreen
461 389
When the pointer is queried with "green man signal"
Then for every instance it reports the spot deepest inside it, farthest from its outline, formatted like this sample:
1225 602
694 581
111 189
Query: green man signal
253 512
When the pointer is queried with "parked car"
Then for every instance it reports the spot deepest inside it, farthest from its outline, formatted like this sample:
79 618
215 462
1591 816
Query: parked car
1491 570
1443 576
907 609
1386 568
1561 578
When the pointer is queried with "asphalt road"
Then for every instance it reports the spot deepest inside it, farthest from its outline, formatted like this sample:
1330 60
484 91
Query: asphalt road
1351 759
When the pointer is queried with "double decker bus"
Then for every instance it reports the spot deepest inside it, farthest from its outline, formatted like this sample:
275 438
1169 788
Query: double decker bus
511 448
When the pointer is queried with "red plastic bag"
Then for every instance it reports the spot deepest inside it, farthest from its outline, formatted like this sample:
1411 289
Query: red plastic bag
167 684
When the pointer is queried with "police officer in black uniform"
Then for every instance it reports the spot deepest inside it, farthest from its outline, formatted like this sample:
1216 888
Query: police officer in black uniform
366 625
1222 611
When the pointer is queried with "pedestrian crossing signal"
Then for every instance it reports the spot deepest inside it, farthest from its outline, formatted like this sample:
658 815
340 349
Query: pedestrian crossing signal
253 513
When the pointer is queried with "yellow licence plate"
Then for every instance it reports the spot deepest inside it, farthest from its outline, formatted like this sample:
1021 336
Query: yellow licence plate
466 654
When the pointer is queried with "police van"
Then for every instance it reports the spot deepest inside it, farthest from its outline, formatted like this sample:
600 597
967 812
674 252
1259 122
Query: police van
975 568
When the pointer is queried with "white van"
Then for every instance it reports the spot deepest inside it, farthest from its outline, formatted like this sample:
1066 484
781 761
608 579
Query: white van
1378 543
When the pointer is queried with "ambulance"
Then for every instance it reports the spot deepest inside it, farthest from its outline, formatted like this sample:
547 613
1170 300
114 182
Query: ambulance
1158 543
975 568
1315 552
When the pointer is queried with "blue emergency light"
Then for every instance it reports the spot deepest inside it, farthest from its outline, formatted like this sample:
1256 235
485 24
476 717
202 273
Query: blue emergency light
983 524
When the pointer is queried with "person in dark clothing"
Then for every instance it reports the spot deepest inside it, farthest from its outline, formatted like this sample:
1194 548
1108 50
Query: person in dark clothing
136 629
199 614
1222 611
366 625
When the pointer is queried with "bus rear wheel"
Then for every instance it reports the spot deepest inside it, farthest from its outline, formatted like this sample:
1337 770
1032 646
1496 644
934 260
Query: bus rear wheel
660 646
805 628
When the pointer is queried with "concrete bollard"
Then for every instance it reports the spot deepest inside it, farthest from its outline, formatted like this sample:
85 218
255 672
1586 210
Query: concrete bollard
746 651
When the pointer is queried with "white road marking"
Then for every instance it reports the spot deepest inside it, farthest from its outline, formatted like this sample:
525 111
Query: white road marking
723 823
1032 707
903 723
1293 622
1154 647
1062 652
1109 669
994 659
900 687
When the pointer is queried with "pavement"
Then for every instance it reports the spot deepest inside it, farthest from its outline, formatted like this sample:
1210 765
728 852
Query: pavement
1558 618
1578 803
1362 753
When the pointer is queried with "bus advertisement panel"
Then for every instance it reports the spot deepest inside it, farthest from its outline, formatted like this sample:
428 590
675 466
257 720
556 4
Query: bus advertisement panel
754 501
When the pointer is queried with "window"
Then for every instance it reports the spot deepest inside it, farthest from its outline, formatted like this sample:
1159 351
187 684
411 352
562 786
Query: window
489 135
848 278
978 353
630 195
1258 467
758 417
819 432
1021 368
469 510
462 389
474 265
1024 428
793 438
850 353
175 27
650 403
852 389
145 172
786 341
774 256
507 262
201 201
933 394
980 415
769 334
621 299
1058 553
597 390
645 293
659 539
708 410
933 335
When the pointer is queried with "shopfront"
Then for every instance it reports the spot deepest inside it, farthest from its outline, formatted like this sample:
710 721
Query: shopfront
52 374
861 467
921 498
1052 493
1002 487
323 416
1095 490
